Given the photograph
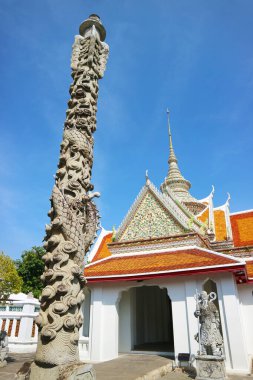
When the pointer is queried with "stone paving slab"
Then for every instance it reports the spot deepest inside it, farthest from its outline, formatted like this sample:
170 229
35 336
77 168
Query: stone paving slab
179 375
131 367
15 361
126 367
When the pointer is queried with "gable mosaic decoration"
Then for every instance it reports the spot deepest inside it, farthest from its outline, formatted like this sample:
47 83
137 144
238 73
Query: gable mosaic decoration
151 220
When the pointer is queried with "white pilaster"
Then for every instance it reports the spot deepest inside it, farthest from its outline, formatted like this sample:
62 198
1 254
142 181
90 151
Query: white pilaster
96 324
26 324
110 324
176 292
190 290
232 314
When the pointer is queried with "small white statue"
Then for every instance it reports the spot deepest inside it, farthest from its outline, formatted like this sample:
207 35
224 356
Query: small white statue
209 335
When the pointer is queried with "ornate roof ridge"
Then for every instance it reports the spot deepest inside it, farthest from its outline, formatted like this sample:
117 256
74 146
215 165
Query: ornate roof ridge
207 199
98 242
155 239
201 212
132 209
180 212
224 206
166 200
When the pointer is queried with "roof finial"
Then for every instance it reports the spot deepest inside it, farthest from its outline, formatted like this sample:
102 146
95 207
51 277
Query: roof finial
168 113
227 201
172 156
147 177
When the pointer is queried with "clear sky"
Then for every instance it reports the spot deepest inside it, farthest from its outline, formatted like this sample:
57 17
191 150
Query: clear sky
194 57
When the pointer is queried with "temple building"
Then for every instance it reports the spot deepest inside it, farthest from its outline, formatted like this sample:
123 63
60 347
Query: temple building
142 278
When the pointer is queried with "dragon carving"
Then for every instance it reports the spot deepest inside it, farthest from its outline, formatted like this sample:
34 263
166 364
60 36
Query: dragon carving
73 214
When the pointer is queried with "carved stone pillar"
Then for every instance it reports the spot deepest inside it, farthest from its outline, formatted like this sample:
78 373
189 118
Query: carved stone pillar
74 217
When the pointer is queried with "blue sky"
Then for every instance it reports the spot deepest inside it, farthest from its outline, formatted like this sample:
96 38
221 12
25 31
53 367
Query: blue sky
194 57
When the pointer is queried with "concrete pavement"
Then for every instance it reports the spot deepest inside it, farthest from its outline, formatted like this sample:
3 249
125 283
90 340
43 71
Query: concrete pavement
15 361
126 367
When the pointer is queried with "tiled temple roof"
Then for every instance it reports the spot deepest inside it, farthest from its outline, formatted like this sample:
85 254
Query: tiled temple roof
220 225
103 250
242 228
173 262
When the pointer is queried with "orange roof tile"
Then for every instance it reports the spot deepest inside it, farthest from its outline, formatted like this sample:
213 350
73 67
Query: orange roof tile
249 266
176 260
103 250
242 228
204 216
220 225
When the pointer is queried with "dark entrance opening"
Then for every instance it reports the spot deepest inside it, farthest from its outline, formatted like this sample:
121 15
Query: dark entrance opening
153 320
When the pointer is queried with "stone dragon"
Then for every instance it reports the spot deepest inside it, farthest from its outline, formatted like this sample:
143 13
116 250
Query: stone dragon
73 214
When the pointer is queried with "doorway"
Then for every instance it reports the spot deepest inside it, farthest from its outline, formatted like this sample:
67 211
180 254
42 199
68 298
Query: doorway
145 321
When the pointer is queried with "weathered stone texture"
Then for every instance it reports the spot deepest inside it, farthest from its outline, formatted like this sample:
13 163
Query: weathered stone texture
73 214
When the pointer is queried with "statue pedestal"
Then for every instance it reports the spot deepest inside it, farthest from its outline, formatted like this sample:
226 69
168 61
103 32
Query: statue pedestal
210 367
75 371
3 355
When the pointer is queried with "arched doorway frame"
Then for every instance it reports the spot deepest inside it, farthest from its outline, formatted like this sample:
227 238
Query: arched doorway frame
140 328
176 290
216 280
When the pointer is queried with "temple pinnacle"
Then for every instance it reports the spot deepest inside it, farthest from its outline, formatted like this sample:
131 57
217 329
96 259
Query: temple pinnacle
174 180
172 156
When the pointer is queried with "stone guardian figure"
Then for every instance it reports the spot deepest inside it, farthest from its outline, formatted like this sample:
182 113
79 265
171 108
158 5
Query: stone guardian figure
209 335
209 362
73 214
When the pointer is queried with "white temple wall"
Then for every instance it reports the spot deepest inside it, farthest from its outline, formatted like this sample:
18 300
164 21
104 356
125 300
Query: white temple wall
245 293
231 320
176 291
112 324
233 324
104 323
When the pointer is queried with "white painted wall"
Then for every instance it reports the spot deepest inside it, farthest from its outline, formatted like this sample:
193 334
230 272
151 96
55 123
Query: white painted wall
233 324
245 292
111 321
176 291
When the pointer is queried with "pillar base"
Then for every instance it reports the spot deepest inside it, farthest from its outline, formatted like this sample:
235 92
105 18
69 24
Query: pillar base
3 363
74 371
210 367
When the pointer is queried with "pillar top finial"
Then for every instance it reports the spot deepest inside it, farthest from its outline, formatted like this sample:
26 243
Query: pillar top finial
93 20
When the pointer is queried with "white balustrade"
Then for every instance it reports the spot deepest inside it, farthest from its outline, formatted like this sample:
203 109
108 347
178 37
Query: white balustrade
17 318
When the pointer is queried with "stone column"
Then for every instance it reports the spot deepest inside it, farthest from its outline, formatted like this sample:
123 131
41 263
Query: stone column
74 217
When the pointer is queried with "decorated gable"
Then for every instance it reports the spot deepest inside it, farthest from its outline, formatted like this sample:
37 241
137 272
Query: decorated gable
150 219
